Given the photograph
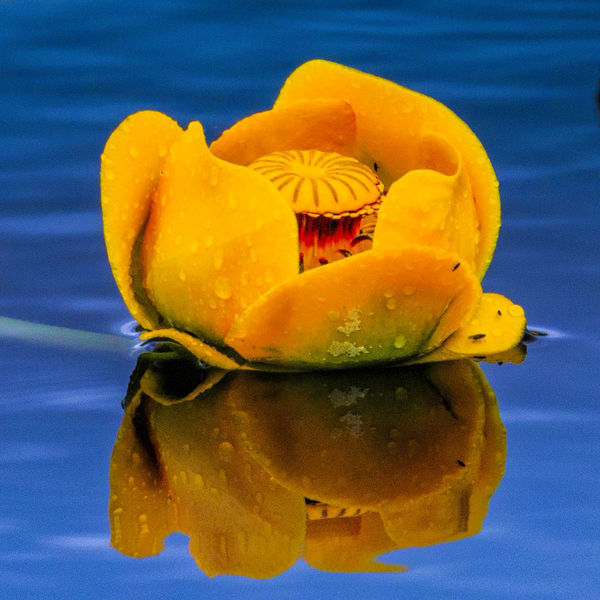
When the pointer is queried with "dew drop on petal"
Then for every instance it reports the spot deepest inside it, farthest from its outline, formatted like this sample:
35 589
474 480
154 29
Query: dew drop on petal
133 152
222 287
218 259
515 311
408 290
400 341
390 303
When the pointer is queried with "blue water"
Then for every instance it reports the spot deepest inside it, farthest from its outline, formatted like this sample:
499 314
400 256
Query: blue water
523 75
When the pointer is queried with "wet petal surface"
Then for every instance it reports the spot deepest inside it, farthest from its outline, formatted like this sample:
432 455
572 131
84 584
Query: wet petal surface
219 236
131 165
371 308
328 125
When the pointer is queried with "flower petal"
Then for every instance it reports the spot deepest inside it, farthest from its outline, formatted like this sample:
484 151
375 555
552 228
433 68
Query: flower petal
322 124
131 165
219 236
374 307
457 509
495 327
239 521
431 207
211 356
328 435
349 545
390 122
135 489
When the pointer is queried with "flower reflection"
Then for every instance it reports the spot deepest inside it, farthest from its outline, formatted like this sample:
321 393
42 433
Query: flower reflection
260 469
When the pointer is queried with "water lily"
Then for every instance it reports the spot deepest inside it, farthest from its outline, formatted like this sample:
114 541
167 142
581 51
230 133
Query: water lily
349 225
338 467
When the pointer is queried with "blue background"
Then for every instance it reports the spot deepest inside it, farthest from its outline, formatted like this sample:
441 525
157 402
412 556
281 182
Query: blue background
524 76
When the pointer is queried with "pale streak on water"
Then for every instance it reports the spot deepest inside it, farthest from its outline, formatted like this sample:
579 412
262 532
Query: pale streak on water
523 75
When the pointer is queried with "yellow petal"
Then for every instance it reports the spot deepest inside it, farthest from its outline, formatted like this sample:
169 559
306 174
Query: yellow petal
361 438
140 513
131 165
323 124
219 236
456 510
496 327
370 308
211 356
239 521
348 545
431 207
390 124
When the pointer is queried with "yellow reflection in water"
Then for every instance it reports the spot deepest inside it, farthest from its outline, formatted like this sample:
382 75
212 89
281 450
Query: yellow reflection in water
338 468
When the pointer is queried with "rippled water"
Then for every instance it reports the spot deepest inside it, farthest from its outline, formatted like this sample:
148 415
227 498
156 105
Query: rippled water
523 76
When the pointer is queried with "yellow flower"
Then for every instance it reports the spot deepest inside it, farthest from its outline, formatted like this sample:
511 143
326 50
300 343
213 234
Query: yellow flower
349 225
389 458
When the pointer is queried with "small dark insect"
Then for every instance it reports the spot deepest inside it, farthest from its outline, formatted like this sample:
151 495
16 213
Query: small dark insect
323 261
456 266
479 357
345 252
375 167
499 312
477 336
324 513
461 463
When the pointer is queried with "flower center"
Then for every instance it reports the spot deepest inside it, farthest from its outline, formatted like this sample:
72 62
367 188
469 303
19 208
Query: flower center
335 199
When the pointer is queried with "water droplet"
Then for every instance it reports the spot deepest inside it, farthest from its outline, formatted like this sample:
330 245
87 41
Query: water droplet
390 303
223 476
198 480
391 445
218 259
242 540
143 518
515 311
388 293
400 341
133 152
401 394
408 290
117 511
184 477
226 451
222 287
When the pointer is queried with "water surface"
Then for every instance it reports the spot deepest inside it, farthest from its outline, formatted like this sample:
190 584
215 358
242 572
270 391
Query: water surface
523 76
